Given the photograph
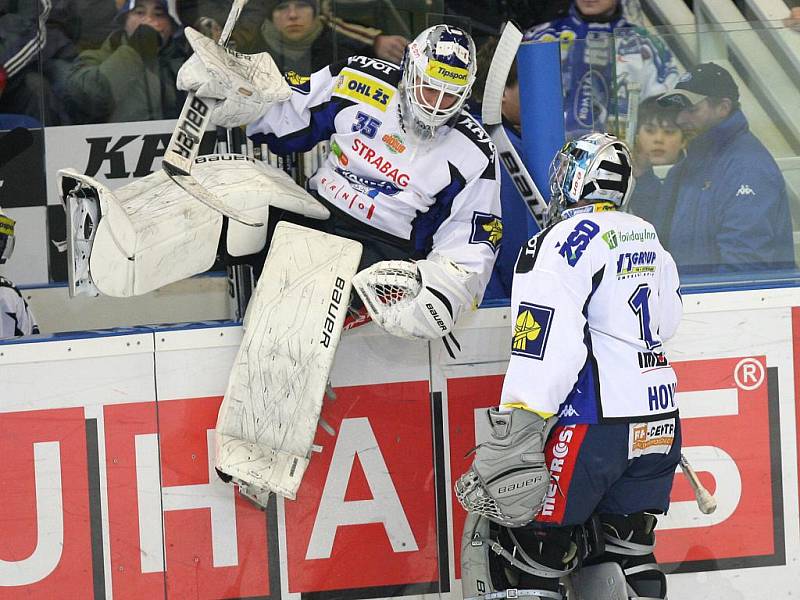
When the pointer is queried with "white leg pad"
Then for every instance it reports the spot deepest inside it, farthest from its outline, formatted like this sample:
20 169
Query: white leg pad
151 232
267 421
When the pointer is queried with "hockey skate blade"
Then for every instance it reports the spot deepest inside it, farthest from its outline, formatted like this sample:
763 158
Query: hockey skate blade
193 187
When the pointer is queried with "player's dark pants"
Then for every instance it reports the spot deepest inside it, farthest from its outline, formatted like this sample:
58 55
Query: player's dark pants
592 471
604 470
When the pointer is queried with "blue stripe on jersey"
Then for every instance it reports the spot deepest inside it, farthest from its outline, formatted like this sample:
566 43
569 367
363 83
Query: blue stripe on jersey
425 225
582 404
319 129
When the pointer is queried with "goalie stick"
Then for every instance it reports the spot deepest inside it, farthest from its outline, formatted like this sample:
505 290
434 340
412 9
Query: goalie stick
492 117
185 141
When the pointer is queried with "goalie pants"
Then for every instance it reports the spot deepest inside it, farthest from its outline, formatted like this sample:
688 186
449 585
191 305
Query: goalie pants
619 469
378 245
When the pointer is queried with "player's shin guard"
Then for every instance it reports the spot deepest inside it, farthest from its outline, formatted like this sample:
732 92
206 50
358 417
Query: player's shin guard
498 562
630 541
266 424
151 232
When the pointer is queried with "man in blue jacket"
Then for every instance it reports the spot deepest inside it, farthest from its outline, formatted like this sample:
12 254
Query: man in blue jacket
723 208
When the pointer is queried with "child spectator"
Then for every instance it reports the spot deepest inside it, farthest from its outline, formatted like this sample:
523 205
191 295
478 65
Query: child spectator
659 141
131 77
16 318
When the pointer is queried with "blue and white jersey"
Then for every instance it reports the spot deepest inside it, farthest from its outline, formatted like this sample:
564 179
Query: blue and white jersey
442 197
16 318
594 298
603 64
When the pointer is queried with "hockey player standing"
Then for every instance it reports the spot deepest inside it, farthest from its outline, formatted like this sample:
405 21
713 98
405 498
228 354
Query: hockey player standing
16 318
587 423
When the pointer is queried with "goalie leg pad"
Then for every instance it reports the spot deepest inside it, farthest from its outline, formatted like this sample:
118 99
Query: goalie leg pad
151 232
495 565
267 421
508 479
630 541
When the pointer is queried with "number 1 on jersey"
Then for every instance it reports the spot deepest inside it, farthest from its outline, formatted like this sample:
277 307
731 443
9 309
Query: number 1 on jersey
639 303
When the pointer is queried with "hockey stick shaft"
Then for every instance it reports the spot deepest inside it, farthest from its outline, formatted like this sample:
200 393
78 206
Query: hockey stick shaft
705 501
192 123
492 117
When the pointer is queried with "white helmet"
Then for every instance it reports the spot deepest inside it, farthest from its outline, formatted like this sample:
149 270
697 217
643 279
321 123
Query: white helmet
441 59
6 236
595 167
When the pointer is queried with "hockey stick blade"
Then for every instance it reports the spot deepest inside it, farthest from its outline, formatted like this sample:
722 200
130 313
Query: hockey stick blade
492 117
185 141
193 187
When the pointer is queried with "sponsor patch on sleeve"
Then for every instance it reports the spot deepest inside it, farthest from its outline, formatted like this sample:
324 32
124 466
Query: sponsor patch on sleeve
486 229
364 88
531 330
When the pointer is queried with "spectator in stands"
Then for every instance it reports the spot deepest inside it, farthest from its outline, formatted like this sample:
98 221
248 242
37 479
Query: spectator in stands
209 16
515 213
36 53
659 141
605 61
300 41
131 77
725 204
16 318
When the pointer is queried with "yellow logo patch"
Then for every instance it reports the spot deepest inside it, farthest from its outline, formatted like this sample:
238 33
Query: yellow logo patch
442 72
495 231
364 88
526 329
7 225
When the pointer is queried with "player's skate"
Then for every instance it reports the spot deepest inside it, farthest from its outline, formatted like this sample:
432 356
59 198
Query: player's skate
82 205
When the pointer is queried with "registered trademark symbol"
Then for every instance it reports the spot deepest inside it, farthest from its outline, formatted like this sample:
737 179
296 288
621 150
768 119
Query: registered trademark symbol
749 374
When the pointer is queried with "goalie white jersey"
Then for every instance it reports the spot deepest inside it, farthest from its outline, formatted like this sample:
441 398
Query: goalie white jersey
437 197
594 297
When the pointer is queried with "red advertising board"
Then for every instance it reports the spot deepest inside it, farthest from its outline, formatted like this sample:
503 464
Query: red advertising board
365 514
748 436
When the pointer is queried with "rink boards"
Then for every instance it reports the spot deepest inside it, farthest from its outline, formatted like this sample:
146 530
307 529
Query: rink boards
107 487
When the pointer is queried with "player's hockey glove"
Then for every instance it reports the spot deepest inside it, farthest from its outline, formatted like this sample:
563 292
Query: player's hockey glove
508 479
417 300
245 85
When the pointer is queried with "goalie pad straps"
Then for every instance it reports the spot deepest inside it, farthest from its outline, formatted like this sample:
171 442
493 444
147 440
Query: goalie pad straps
245 85
508 479
268 418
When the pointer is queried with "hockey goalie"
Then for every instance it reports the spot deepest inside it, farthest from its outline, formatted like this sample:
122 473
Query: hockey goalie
408 198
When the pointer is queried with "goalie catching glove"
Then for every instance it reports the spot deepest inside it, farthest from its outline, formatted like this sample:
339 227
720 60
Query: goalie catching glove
245 85
417 300
508 479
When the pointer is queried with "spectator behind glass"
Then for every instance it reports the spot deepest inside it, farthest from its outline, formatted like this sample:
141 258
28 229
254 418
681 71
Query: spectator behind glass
209 16
514 211
16 318
725 207
36 54
299 41
605 60
131 77
659 142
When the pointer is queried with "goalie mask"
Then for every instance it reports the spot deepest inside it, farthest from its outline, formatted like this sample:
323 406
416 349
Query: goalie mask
595 168
438 73
6 237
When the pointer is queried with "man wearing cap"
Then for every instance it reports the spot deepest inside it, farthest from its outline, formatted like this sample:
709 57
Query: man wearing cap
723 208
131 77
